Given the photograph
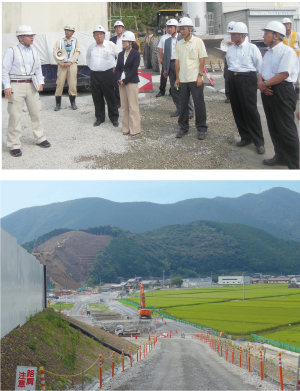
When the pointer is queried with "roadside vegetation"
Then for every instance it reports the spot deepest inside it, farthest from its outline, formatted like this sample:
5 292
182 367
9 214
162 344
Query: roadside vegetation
266 309
61 307
47 340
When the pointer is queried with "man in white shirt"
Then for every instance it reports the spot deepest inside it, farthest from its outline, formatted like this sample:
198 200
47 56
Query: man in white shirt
278 72
22 78
244 60
101 59
161 45
117 39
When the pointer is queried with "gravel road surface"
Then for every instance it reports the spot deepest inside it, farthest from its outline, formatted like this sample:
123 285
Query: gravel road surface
184 364
76 144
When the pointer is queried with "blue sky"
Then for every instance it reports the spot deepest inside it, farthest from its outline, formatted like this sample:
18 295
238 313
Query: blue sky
17 195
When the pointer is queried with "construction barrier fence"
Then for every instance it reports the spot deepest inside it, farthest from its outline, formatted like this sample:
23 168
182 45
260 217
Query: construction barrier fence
282 345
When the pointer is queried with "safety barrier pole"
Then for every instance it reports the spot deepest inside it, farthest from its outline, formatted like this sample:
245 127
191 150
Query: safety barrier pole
226 351
122 360
280 371
151 343
140 352
221 348
261 365
249 360
42 377
232 353
113 365
144 350
130 357
170 333
240 356
298 380
100 370
149 347
218 346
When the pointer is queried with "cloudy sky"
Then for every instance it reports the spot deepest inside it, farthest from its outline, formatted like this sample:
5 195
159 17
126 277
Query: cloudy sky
17 195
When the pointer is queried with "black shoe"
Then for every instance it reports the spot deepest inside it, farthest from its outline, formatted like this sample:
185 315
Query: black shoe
202 135
176 114
181 133
58 103
227 100
15 152
116 124
274 161
243 143
72 101
97 122
160 94
44 144
260 149
191 116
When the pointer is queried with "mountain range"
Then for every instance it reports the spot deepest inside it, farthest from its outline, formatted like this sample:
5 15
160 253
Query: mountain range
276 211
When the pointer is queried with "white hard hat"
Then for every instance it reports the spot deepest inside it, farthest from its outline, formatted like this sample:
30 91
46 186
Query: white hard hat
185 21
99 28
24 29
277 27
172 22
118 23
128 36
69 27
60 54
229 26
239 27
286 20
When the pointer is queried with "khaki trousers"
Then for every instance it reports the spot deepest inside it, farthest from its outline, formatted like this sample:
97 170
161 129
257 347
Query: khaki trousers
70 74
21 92
131 122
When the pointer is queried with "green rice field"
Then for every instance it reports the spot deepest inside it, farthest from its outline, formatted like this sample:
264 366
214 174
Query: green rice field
265 308
289 335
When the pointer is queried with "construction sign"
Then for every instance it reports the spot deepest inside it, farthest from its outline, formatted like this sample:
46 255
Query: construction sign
25 378
145 83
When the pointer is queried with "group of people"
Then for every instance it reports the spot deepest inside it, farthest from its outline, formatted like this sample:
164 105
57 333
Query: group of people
114 77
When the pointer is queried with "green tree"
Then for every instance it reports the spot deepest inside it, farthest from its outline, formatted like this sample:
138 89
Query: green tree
177 281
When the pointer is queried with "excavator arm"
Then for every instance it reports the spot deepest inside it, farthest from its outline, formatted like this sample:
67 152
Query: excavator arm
143 312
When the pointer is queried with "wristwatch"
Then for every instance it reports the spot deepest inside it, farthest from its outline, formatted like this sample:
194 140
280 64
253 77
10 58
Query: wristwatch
200 74
265 83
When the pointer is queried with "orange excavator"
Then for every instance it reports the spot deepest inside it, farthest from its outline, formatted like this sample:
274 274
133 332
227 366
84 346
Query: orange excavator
143 311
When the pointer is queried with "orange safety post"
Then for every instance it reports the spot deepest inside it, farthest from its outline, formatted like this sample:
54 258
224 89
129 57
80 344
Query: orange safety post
261 365
100 370
151 344
42 377
249 360
135 336
113 365
280 371
149 337
240 357
226 351
232 354
221 348
176 331
130 357
149 347
140 352
137 354
144 350
122 360
170 333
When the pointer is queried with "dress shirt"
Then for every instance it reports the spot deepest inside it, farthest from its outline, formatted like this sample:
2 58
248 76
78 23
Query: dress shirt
189 54
102 58
244 58
280 58
173 45
11 65
119 42
161 44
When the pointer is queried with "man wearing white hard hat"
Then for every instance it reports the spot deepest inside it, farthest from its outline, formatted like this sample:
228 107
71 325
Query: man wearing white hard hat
190 54
292 39
66 52
22 78
278 72
161 46
244 60
101 59
169 66
117 39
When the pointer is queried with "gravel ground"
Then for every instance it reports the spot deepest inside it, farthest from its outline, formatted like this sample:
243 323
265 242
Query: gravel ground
185 365
76 144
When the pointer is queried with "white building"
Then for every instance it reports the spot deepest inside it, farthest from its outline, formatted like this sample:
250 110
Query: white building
233 280
194 282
